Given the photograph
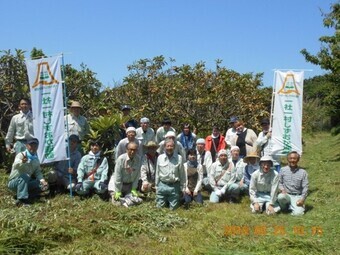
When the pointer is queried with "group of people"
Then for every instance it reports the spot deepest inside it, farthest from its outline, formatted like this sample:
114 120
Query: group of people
176 168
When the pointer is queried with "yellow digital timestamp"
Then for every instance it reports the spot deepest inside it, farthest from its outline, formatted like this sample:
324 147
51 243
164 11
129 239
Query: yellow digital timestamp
278 230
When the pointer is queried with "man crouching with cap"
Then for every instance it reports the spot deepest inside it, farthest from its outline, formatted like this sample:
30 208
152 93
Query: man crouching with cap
92 171
26 165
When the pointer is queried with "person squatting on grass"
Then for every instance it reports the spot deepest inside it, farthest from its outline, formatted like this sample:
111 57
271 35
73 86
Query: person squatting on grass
194 173
148 168
293 184
60 176
263 188
170 177
26 178
92 171
238 167
124 181
252 161
205 159
222 180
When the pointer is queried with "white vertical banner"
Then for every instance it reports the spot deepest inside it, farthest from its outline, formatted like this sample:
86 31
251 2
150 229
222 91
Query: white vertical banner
287 114
48 108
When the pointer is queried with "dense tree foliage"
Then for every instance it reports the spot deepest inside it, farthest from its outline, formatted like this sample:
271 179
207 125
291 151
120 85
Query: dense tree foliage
82 85
326 89
191 94
13 85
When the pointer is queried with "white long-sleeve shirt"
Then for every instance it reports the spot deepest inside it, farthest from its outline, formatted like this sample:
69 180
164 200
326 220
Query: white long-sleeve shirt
20 128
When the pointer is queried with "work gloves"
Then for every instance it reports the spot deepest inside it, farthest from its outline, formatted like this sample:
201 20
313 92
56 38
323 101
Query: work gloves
134 193
117 195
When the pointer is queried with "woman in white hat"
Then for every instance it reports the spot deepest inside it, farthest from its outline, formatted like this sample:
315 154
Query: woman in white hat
264 185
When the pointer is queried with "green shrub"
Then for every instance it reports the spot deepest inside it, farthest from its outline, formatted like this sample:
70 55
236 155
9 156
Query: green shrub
315 116
335 131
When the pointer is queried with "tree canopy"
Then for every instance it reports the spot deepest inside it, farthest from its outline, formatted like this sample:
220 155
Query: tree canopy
328 58
193 94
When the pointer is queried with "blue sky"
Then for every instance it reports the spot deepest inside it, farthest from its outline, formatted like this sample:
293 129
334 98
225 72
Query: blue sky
248 35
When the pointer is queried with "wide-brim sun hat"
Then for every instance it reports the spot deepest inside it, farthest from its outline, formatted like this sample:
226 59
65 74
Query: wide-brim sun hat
76 104
251 155
151 144
266 159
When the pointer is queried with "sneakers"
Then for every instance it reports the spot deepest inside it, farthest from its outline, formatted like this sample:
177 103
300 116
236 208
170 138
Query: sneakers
127 202
136 200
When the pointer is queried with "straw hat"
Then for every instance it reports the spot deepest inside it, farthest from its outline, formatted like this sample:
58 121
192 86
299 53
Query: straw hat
151 144
251 155
76 104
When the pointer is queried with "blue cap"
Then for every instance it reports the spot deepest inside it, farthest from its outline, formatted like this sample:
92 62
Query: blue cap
32 141
233 119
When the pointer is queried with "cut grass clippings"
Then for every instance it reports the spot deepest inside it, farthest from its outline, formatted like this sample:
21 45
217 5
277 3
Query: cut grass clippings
64 225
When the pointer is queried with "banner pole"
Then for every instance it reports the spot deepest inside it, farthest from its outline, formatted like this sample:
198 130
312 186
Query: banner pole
67 132
272 102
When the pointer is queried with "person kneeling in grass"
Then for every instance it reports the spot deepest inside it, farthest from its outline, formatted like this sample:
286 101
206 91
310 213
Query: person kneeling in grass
223 180
263 188
293 184
123 183
194 173
148 169
26 178
92 171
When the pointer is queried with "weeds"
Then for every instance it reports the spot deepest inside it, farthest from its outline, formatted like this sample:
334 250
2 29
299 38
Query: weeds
65 225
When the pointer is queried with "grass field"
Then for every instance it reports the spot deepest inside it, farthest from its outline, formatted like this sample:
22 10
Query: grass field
62 225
